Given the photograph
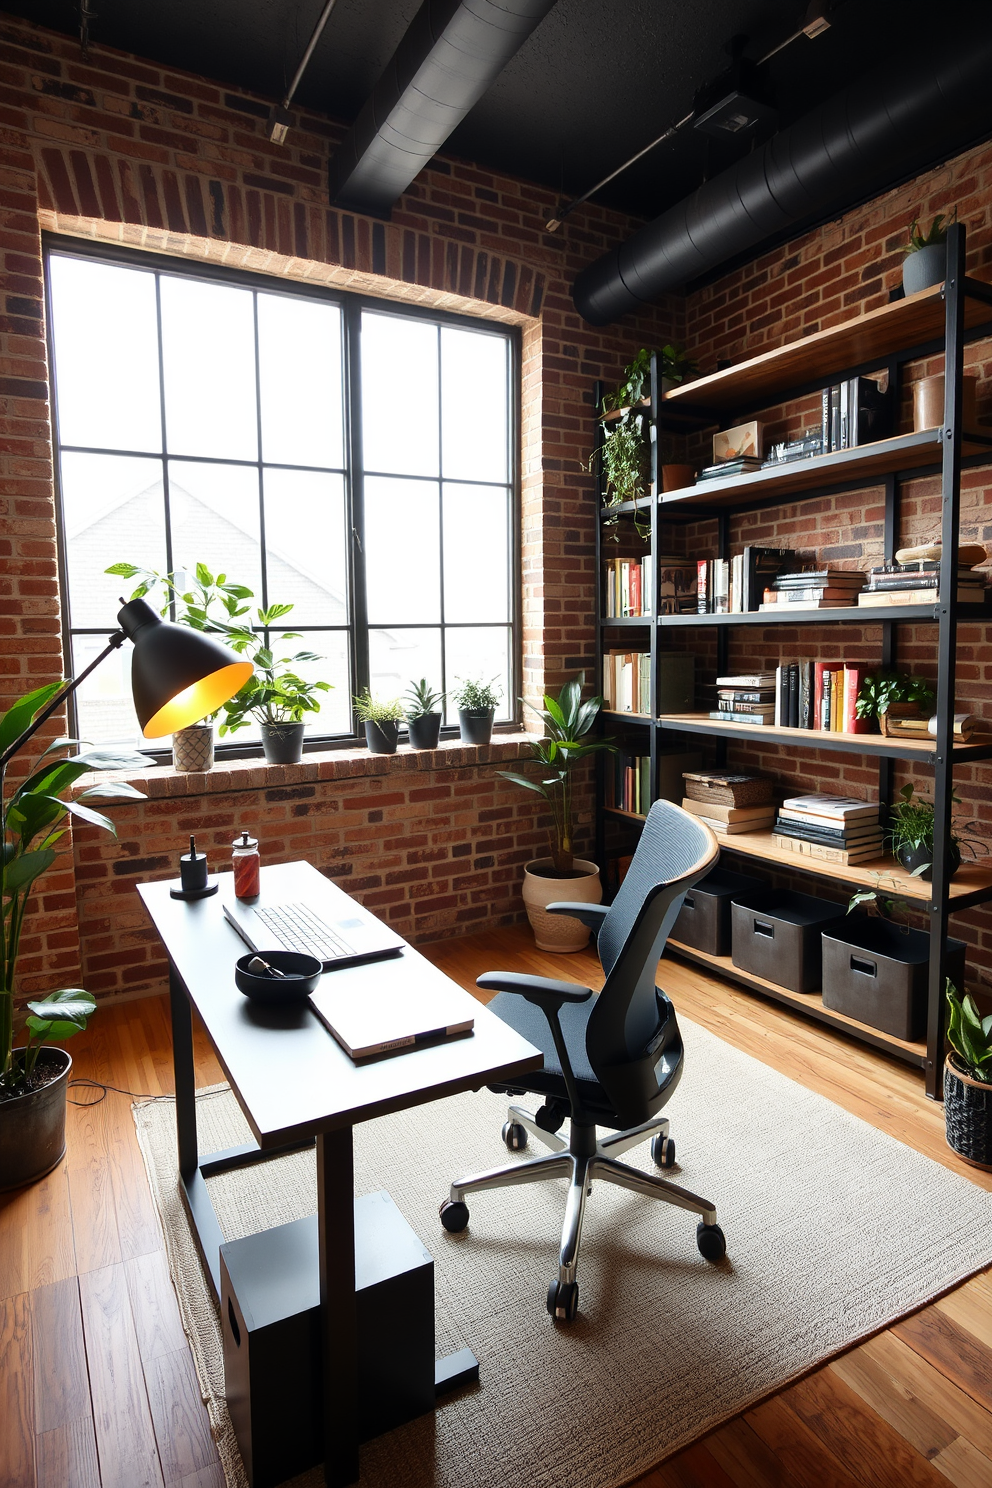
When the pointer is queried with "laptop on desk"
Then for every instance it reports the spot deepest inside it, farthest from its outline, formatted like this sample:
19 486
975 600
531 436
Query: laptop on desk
348 939
392 1013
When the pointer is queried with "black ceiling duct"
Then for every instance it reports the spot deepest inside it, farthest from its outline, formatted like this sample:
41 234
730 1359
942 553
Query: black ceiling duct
888 126
452 53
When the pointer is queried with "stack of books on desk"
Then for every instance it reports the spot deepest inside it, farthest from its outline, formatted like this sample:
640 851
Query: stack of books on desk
747 698
918 583
822 589
834 829
729 803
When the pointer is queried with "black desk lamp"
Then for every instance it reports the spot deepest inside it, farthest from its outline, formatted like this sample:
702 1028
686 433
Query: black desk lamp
178 675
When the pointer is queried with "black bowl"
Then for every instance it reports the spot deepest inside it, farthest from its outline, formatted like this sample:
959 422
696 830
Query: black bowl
302 975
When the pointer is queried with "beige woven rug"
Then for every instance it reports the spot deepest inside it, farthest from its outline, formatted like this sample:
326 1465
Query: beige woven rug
834 1229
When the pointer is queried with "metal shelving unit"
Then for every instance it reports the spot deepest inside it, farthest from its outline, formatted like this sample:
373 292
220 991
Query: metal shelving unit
943 318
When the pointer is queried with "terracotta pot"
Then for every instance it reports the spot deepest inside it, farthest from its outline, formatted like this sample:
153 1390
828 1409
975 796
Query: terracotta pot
928 403
193 747
32 1126
676 477
967 1116
542 886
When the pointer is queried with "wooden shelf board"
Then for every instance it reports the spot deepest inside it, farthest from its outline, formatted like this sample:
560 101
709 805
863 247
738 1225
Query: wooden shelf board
867 338
627 717
923 614
810 1003
870 744
629 815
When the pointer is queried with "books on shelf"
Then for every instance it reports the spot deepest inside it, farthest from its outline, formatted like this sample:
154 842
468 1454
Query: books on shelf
823 588
743 465
842 856
836 829
853 412
676 586
712 586
819 695
727 789
753 819
627 681
784 453
736 586
827 808
628 782
628 587
919 583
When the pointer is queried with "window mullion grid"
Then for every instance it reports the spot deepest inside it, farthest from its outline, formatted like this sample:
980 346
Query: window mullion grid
166 503
351 320
262 552
440 532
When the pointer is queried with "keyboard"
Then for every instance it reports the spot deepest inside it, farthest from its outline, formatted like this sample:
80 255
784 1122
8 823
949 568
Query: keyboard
300 929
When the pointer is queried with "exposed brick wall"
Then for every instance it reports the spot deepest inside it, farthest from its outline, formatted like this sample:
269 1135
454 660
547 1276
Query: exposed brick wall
117 149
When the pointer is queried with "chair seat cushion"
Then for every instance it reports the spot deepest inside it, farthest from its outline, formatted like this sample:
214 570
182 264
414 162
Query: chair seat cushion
530 1022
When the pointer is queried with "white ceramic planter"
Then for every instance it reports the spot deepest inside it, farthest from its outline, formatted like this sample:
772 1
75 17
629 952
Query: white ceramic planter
559 932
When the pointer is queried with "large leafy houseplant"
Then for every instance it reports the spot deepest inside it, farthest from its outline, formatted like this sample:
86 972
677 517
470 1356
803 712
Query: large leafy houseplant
34 818
566 743
969 1035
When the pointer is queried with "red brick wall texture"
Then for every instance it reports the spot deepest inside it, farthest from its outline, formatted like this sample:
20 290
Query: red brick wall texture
115 148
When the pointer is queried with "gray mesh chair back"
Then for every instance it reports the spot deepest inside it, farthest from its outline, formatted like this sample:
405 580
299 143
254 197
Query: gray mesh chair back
632 1036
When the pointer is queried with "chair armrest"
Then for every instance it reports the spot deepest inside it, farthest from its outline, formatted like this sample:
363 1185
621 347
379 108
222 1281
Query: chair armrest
591 915
542 991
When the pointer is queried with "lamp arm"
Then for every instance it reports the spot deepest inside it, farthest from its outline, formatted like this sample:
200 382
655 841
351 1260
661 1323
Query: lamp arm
115 642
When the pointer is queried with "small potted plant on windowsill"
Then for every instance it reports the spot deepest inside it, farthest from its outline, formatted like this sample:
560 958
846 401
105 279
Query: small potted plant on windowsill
423 718
566 743
276 696
476 702
968 1081
381 718
926 255
893 695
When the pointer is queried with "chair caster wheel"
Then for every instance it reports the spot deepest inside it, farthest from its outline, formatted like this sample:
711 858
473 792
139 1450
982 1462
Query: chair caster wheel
663 1151
514 1135
563 1300
711 1241
454 1216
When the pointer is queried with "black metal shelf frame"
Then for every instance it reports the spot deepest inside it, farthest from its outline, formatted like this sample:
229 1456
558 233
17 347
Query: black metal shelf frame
946 615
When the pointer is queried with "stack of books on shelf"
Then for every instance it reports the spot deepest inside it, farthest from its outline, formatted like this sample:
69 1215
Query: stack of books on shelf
628 587
736 585
742 465
628 782
784 453
627 681
919 583
819 695
834 829
817 589
746 698
854 412
729 804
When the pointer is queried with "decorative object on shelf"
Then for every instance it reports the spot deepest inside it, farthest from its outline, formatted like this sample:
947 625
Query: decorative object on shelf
876 972
381 718
247 864
476 703
423 718
743 442
893 694
677 477
968 1081
567 723
926 256
928 403
910 831
193 748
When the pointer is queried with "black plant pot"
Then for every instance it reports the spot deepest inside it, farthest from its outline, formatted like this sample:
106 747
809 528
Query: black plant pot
382 737
476 725
912 857
32 1126
424 730
282 743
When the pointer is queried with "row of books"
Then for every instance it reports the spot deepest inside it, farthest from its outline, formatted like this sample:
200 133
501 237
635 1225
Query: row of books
853 412
918 583
729 803
814 589
803 694
736 585
628 782
627 682
833 829
628 587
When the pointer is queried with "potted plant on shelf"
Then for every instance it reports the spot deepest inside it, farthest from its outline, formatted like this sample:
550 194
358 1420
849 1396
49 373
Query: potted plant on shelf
381 719
885 695
567 723
196 605
910 831
968 1081
476 703
926 256
423 717
34 1075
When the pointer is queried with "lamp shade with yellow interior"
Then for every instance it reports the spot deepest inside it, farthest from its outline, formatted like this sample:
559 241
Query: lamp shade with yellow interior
178 675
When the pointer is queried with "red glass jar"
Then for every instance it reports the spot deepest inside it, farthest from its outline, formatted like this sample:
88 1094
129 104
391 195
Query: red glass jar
247 867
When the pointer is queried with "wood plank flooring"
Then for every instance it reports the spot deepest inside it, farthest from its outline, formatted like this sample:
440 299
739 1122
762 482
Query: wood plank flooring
97 1388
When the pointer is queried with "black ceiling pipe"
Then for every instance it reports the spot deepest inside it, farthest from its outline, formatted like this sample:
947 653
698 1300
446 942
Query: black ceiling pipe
452 53
890 125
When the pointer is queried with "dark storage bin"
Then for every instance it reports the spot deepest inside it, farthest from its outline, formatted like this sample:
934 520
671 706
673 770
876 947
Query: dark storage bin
877 973
776 935
704 919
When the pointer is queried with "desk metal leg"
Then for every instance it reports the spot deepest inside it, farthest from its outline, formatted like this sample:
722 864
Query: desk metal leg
338 1306
182 1060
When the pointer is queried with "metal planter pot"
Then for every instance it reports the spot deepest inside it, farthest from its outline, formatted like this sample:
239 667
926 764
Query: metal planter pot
282 743
32 1126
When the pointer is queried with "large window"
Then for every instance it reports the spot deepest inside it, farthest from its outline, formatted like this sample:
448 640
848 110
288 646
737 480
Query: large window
351 458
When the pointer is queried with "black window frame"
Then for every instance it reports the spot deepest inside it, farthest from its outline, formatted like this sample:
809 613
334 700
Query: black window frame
352 305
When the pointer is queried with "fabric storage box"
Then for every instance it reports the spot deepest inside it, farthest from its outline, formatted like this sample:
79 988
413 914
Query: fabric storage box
704 919
877 972
777 934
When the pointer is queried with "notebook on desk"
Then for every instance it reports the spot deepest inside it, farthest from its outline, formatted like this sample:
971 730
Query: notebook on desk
348 940
390 1014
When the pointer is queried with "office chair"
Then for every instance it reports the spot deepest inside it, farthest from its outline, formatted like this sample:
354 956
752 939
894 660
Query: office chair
611 1060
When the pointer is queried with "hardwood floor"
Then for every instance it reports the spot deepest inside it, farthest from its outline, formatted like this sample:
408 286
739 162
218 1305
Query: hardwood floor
97 1388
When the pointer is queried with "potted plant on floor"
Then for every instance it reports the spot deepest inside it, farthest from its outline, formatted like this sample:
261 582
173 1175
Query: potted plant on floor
968 1081
885 695
381 718
423 716
926 255
196 605
567 722
476 702
34 1075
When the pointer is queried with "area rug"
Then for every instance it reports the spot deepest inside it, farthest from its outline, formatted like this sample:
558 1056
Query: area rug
833 1230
